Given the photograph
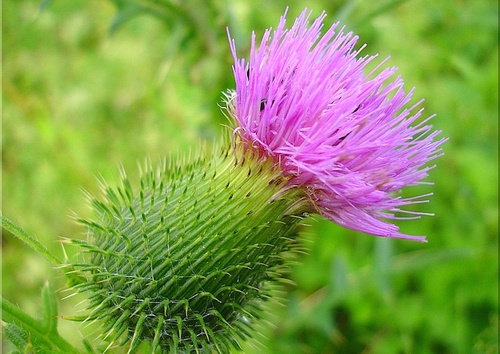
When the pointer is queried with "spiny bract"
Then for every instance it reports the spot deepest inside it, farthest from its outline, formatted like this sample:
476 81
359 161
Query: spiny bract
184 263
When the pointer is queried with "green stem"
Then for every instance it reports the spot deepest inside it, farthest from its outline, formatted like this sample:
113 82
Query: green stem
17 231
13 314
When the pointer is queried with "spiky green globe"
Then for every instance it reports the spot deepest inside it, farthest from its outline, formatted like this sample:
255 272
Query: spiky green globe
184 262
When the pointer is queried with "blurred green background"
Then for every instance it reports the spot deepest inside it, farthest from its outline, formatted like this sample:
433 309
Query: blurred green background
90 84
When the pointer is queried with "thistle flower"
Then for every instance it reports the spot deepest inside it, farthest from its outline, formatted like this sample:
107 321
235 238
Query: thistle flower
344 136
187 262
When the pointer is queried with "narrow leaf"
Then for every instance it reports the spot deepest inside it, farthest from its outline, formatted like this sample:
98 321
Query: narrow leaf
28 240
38 330
16 335
49 307
13 314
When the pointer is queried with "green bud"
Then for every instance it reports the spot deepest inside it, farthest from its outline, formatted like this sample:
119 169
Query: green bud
186 262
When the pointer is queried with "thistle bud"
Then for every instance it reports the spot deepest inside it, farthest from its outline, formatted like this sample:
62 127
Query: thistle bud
184 262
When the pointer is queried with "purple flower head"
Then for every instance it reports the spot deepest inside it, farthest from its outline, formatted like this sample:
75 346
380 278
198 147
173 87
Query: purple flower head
345 135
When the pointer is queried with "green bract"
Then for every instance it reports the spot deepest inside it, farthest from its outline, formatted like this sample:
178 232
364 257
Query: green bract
184 262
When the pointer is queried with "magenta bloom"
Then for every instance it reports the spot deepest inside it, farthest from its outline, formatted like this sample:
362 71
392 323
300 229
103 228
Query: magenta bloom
345 135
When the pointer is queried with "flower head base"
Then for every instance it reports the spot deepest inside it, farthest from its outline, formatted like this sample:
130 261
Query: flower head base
344 135
188 262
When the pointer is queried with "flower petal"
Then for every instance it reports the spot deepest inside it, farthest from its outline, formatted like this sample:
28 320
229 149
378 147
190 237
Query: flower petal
348 137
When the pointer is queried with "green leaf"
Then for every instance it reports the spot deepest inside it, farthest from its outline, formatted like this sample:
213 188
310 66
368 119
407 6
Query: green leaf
16 335
15 316
23 341
43 335
49 307
28 240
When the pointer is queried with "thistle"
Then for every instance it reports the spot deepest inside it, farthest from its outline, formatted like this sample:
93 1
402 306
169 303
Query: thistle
182 263
187 262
